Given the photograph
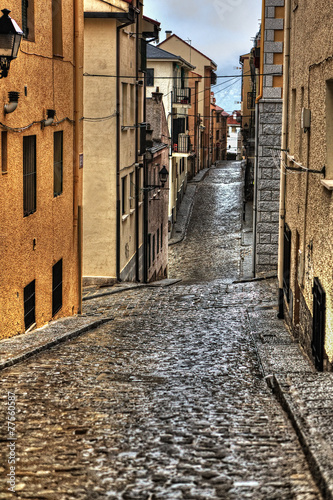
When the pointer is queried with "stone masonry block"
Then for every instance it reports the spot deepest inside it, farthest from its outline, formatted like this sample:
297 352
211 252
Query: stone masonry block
275 257
271 117
275 47
263 260
265 173
268 81
275 216
269 58
275 69
272 129
264 217
270 140
269 35
275 195
270 11
273 93
265 238
268 206
269 184
266 227
274 24
274 3
265 195
266 163
267 249
274 239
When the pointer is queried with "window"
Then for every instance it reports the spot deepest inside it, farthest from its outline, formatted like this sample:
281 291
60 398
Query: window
161 237
28 23
57 163
132 191
329 129
124 103
124 195
4 152
57 287
57 27
29 175
286 261
217 135
149 250
132 104
153 247
150 77
318 328
158 241
292 122
29 305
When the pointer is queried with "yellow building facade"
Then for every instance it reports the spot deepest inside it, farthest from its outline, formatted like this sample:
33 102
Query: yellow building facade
40 181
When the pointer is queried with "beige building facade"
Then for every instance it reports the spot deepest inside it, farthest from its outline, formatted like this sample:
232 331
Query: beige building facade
114 139
40 180
306 208
169 73
205 67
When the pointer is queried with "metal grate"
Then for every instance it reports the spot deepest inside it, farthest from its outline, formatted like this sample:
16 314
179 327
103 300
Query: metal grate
30 304
56 287
318 330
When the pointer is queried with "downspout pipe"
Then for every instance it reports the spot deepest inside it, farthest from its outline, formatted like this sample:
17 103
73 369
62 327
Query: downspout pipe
256 163
137 42
284 145
78 135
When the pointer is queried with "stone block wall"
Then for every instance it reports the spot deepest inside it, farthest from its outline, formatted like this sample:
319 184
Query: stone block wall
269 118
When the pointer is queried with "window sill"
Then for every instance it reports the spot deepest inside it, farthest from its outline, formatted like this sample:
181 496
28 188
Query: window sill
124 217
327 183
132 211
4 172
140 203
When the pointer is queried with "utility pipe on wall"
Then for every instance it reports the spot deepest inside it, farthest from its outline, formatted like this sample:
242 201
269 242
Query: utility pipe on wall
284 144
78 113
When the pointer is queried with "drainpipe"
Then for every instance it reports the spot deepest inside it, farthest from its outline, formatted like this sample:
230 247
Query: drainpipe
284 144
137 42
118 227
256 163
78 113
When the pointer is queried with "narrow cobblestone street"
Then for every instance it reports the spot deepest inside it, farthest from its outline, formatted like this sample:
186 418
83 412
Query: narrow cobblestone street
167 401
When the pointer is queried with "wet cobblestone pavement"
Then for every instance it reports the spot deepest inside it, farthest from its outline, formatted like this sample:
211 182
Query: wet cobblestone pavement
167 401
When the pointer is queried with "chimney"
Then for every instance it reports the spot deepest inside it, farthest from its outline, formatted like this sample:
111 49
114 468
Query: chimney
168 34
157 95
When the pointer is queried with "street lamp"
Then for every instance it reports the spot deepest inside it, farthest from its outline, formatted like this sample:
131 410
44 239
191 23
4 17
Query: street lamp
163 176
10 39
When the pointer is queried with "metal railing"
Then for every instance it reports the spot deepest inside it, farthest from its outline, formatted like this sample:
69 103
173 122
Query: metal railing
183 144
182 96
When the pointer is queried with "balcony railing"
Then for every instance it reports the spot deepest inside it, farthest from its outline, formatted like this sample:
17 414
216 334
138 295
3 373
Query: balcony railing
182 96
183 144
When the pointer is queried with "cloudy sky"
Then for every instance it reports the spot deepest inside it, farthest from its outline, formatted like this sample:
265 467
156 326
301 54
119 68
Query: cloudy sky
221 29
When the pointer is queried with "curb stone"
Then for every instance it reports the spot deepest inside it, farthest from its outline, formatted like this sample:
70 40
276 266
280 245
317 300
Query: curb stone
54 342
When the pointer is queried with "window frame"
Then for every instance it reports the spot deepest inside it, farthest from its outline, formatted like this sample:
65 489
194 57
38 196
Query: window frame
29 199
58 164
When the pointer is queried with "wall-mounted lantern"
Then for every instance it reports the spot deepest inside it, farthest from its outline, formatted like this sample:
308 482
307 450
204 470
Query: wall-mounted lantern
10 39
163 175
